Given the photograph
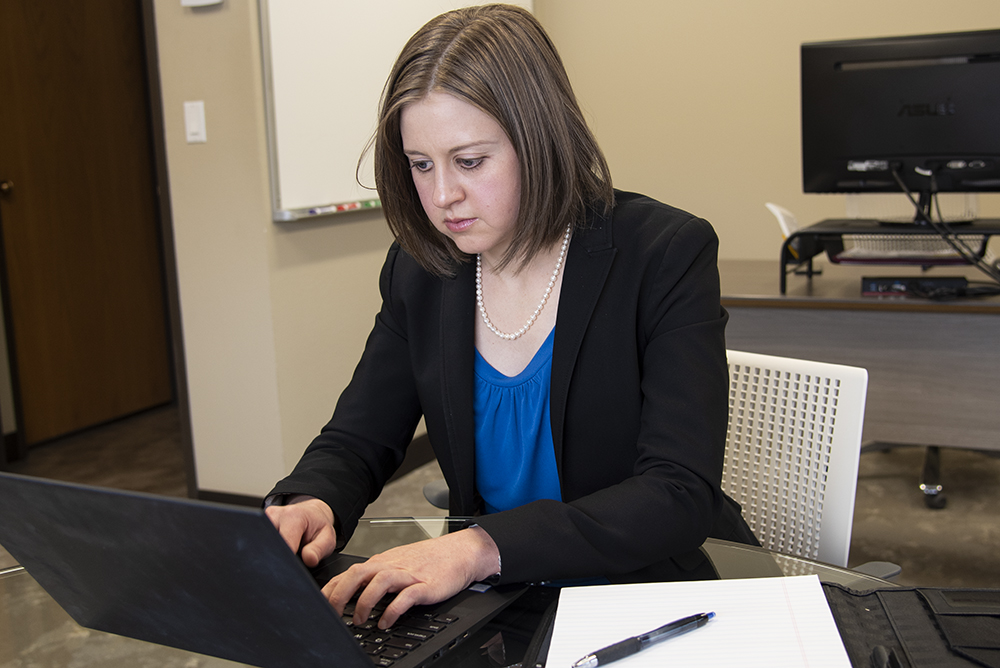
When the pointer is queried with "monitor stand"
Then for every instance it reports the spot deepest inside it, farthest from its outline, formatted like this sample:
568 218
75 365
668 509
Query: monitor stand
924 214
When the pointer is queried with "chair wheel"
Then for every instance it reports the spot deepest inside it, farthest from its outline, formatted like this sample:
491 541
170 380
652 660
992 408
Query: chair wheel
935 501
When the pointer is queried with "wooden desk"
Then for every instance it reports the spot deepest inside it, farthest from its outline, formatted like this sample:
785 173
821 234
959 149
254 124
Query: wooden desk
934 367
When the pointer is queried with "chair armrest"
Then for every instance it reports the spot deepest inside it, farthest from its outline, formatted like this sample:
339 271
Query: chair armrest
879 569
436 492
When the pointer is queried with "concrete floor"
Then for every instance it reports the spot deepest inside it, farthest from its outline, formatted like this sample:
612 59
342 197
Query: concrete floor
955 546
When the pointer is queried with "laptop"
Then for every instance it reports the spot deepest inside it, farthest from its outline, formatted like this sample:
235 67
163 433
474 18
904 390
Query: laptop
206 577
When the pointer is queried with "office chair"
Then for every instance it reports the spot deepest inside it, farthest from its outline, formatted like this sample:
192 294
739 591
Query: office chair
802 260
787 221
436 493
792 450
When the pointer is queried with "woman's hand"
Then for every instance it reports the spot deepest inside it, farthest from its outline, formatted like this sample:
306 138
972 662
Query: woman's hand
307 524
423 573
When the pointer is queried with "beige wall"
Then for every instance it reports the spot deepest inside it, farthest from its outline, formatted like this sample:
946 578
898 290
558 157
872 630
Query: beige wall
694 102
274 316
697 102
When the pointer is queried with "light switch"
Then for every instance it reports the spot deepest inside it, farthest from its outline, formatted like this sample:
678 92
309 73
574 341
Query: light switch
194 122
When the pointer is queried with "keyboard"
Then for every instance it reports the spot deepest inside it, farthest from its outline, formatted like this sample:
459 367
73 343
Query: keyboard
413 628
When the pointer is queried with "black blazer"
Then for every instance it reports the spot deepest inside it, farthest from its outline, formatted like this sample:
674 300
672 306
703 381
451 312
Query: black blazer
638 404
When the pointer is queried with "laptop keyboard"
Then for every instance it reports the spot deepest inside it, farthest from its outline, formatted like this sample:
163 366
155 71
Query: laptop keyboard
413 628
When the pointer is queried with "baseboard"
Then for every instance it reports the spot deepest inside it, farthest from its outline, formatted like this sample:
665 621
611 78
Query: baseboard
10 449
231 499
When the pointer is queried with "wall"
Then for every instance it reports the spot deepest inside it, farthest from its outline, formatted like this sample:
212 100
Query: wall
274 318
695 103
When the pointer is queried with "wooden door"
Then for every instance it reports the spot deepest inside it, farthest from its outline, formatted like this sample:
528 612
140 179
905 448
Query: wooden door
83 280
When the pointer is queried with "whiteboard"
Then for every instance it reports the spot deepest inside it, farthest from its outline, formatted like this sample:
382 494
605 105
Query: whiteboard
325 63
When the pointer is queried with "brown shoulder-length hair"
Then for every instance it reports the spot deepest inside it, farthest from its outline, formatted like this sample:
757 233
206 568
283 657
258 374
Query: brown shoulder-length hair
499 59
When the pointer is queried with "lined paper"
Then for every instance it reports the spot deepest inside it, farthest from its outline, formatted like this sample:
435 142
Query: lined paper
766 622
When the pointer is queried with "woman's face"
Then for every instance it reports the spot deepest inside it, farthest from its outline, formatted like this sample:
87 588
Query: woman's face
466 172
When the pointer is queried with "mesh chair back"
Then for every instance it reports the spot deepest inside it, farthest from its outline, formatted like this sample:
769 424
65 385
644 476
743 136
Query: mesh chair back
792 451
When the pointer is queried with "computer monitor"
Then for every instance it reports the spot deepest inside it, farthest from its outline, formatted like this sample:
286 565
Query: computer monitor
917 111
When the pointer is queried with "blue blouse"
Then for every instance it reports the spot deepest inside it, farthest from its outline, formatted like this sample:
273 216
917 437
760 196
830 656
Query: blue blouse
515 456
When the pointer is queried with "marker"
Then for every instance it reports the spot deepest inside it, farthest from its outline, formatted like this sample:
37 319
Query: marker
636 644
346 206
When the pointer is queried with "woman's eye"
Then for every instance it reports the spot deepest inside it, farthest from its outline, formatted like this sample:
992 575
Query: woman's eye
420 165
469 163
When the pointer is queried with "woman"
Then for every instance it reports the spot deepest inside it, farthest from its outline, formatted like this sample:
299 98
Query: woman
564 342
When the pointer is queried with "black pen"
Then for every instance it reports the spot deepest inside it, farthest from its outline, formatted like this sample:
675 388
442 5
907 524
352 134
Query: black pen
635 644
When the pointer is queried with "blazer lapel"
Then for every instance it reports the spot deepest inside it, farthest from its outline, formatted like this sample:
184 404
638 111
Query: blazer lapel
457 354
589 259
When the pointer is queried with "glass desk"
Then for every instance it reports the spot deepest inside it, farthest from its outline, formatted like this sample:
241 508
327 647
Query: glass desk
36 632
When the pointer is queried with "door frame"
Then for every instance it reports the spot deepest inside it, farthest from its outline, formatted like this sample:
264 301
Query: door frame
168 249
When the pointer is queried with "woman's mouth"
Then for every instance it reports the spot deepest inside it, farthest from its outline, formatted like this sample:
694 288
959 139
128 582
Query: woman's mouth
458 224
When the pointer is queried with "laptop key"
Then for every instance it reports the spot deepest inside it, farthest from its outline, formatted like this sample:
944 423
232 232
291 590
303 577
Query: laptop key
423 625
381 637
392 653
412 634
402 643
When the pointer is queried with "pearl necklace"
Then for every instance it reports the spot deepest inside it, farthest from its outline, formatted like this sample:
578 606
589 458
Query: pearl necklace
545 297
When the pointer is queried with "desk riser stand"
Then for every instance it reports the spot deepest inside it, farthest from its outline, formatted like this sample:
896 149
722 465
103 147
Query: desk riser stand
827 236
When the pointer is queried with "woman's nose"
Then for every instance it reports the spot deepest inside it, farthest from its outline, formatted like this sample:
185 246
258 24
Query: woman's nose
447 190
